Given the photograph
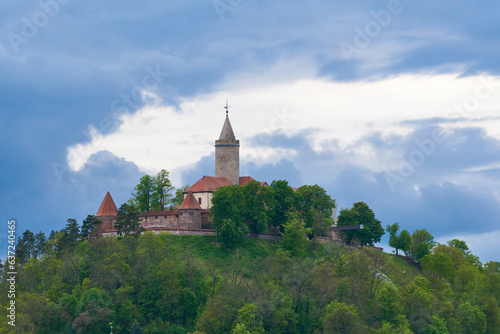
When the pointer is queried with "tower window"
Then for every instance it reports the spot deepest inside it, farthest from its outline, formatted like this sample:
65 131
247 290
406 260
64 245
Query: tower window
199 200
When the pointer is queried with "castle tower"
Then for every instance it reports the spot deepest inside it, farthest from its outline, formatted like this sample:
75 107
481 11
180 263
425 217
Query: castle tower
107 213
190 213
227 153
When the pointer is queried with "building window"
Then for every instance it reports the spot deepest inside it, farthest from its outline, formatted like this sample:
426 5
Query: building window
199 200
190 213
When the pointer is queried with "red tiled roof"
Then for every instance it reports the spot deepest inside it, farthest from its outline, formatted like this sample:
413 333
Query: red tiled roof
208 184
190 203
108 207
245 179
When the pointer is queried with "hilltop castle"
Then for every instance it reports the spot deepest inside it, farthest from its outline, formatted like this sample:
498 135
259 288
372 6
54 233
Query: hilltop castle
193 216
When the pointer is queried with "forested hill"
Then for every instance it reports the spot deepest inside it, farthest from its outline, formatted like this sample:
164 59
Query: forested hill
189 284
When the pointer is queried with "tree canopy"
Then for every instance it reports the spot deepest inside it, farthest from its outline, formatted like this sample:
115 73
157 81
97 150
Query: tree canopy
360 214
154 193
187 284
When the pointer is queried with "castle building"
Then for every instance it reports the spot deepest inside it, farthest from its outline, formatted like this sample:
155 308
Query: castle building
194 213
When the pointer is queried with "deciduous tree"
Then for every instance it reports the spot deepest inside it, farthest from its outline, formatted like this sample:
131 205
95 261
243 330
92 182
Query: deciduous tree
422 244
361 214
295 237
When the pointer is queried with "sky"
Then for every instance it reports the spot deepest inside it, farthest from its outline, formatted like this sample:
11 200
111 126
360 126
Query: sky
393 103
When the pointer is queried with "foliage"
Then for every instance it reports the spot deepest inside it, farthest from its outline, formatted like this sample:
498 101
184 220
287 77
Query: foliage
422 244
401 241
316 208
360 214
227 217
294 237
284 201
135 329
153 193
161 195
183 284
256 206
88 226
127 221
340 317
178 198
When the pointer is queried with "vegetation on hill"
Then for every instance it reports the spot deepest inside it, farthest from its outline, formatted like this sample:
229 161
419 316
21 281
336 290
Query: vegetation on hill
188 284
75 281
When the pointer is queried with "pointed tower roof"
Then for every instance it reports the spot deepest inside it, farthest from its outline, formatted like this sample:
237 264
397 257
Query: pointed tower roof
227 131
108 207
190 203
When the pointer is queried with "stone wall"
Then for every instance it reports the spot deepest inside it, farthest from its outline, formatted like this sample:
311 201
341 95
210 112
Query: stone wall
190 219
227 161
173 231
150 220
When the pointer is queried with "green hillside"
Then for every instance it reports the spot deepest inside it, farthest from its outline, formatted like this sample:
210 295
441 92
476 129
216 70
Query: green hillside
188 284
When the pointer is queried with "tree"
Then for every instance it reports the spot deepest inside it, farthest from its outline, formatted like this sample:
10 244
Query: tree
316 208
473 320
295 237
89 225
255 210
40 245
401 241
143 193
422 244
135 329
228 234
393 237
227 216
459 244
93 311
284 202
438 264
405 242
248 321
177 200
340 317
127 221
25 246
361 214
67 240
161 191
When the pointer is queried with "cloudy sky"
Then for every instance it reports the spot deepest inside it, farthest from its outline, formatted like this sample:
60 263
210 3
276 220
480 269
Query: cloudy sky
394 103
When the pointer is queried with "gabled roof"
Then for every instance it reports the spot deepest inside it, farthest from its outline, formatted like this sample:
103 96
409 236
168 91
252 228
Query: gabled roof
227 131
208 184
108 207
190 203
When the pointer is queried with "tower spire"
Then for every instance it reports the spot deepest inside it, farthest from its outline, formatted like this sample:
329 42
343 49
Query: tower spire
227 152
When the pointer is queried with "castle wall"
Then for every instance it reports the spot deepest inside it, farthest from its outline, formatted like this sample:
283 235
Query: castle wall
159 220
174 231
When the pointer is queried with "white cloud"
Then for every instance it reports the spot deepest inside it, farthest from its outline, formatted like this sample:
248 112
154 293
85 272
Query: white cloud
159 136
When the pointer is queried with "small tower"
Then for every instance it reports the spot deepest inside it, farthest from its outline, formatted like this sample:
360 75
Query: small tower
107 213
190 213
227 153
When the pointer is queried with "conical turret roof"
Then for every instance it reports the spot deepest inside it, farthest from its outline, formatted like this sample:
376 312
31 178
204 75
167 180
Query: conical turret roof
190 203
108 207
227 133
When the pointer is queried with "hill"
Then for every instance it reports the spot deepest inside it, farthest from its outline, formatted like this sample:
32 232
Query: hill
188 284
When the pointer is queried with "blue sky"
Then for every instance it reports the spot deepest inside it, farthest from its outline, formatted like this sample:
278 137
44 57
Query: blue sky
394 103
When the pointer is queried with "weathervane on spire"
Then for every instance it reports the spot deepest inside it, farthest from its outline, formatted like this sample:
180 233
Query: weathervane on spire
227 108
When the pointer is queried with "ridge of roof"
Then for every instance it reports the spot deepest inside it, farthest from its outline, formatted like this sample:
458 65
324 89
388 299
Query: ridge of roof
108 207
208 184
